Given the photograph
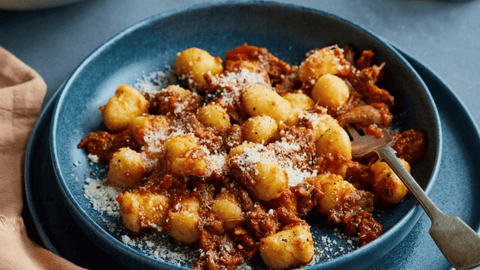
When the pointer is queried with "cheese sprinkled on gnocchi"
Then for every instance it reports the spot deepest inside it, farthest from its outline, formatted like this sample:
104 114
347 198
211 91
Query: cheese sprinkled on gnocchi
236 155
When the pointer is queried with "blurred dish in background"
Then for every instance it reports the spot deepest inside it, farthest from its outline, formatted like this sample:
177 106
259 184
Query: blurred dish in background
33 4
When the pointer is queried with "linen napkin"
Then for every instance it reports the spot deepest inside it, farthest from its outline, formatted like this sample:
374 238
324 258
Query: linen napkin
21 95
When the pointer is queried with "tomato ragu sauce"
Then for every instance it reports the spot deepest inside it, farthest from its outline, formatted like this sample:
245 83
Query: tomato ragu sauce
239 154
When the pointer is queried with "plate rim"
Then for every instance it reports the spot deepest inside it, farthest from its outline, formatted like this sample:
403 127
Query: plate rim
28 160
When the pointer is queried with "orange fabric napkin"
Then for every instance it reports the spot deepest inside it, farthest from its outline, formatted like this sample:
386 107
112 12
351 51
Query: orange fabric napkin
21 95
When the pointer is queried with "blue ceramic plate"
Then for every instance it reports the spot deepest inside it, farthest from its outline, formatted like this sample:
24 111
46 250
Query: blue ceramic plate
287 31
455 192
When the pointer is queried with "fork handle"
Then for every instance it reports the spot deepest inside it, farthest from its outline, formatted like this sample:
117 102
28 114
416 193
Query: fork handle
387 154
456 240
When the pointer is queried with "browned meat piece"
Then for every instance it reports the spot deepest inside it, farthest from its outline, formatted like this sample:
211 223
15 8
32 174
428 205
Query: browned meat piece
365 225
365 115
104 144
410 145
275 67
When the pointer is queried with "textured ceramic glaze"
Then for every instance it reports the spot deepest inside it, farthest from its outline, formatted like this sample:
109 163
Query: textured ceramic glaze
285 30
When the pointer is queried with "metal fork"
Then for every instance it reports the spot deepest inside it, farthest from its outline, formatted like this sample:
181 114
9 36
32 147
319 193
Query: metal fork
456 240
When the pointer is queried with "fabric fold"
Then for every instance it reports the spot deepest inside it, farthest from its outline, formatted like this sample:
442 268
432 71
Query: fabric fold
22 91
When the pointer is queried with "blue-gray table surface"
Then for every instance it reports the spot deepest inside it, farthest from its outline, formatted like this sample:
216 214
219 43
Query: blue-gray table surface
444 35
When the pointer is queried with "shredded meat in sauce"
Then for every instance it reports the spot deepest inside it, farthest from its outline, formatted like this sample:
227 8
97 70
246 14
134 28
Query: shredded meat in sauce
227 244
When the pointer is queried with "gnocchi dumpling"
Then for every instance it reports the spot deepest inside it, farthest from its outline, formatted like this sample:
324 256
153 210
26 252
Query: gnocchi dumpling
299 102
142 125
123 107
321 123
214 115
190 165
334 189
270 180
238 150
191 64
259 129
334 141
183 221
261 100
126 168
185 156
319 62
141 211
229 210
386 183
330 91
288 248
183 94
178 145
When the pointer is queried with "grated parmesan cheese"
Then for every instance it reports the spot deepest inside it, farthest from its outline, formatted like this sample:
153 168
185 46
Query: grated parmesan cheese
93 158
261 153
156 81
103 196
232 83
160 244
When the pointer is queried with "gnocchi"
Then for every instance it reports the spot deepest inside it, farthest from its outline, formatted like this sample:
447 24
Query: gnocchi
238 150
261 100
259 129
143 211
318 63
183 221
288 248
386 183
330 91
334 190
213 115
141 126
126 168
334 141
185 156
236 156
270 180
299 102
123 107
193 63
178 146
229 210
